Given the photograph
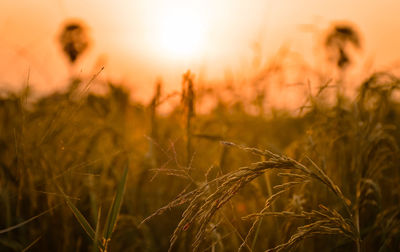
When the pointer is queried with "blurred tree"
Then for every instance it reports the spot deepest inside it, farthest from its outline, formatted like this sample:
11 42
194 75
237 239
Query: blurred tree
338 41
74 39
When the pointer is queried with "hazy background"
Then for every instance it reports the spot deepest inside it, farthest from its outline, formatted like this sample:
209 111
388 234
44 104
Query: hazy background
128 37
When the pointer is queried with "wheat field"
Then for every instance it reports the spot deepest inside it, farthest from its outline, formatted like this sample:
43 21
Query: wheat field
87 171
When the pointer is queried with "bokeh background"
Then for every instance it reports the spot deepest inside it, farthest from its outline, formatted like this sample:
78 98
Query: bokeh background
129 37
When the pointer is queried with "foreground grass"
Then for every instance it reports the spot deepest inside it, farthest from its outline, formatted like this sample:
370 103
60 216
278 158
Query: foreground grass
327 179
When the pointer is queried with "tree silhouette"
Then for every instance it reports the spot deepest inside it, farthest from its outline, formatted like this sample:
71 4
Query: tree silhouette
74 40
338 41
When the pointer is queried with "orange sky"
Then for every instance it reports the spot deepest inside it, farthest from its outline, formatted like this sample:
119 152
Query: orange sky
131 38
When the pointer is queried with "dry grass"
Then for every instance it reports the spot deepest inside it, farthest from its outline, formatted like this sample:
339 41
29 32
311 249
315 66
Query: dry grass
329 179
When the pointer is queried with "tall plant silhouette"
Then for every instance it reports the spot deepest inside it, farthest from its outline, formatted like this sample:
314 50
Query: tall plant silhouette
338 41
74 40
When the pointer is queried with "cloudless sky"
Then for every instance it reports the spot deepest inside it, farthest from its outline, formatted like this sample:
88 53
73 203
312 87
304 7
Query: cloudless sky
135 39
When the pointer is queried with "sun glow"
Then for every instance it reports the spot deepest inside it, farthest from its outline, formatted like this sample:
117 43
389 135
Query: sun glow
182 33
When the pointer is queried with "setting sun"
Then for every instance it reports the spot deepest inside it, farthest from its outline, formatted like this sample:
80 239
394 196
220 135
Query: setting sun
181 34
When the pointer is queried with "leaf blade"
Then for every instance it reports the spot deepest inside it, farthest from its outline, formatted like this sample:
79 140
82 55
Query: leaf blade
116 206
79 216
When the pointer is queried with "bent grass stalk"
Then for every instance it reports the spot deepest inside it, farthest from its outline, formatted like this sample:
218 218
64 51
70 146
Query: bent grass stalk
204 204
6 230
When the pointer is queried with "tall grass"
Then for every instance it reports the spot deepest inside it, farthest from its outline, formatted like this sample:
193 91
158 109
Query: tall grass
324 179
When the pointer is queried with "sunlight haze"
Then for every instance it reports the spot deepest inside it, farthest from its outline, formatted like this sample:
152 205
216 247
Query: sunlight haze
140 41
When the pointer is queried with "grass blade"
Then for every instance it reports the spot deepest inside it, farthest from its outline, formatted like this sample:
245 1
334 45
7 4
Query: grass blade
78 215
116 206
11 244
25 222
96 234
31 244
